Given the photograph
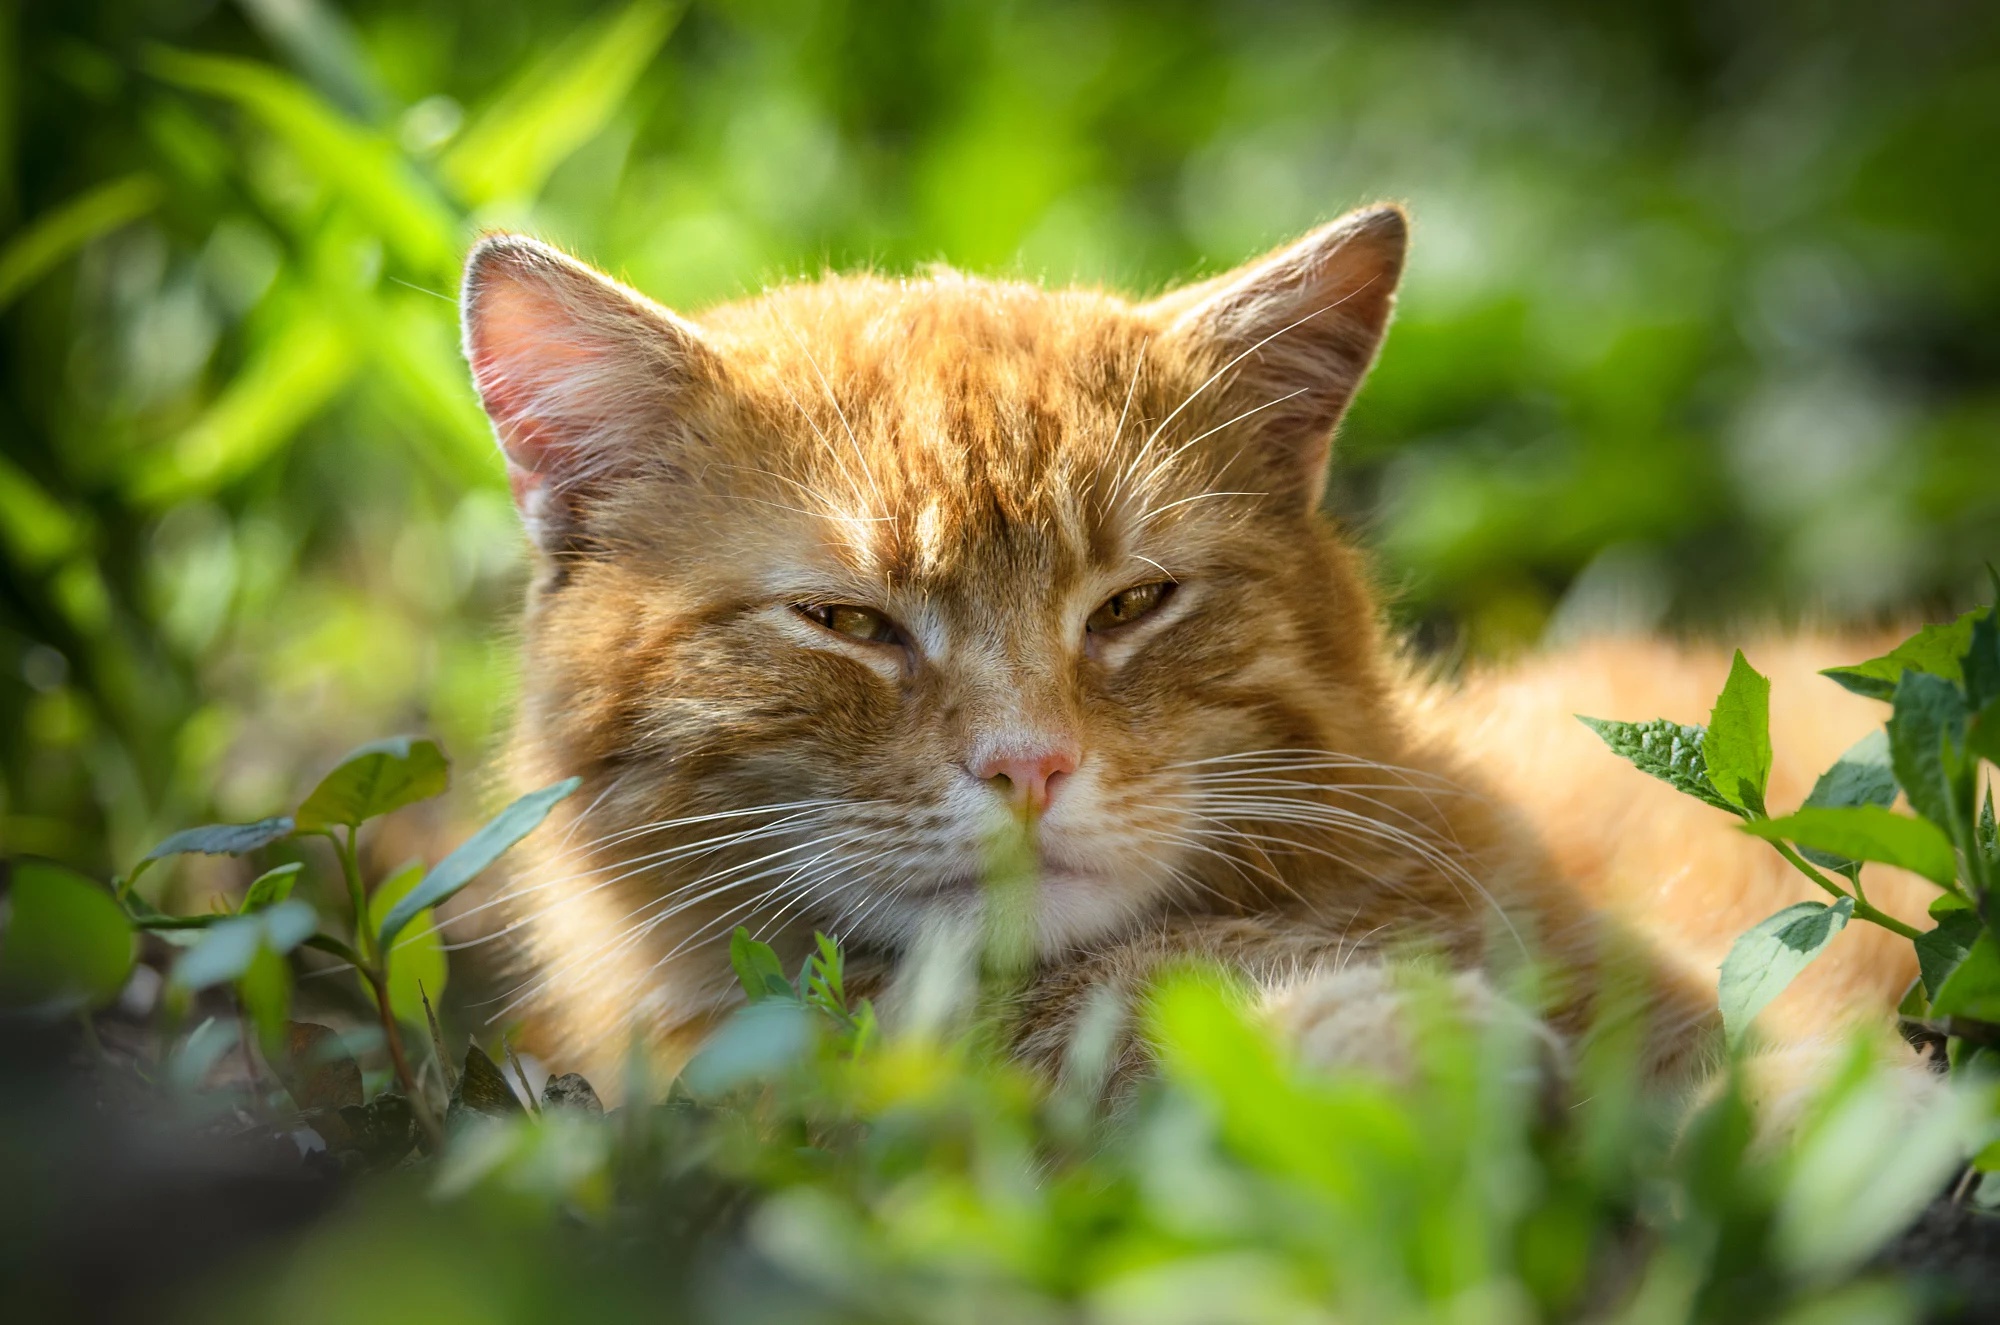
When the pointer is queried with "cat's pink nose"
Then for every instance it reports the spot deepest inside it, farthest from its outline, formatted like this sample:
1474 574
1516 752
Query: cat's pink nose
1027 778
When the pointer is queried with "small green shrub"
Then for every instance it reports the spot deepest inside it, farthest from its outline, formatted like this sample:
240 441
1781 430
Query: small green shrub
812 1164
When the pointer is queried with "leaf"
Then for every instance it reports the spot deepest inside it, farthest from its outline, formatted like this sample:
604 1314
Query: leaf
1980 667
1737 746
67 943
1940 950
1770 956
377 778
382 1130
1867 832
1934 651
757 967
366 169
229 946
224 953
316 1069
286 380
418 963
474 854
1669 751
265 992
482 1089
38 246
270 887
556 106
1973 987
1861 776
1927 744
1984 738
570 1091
223 839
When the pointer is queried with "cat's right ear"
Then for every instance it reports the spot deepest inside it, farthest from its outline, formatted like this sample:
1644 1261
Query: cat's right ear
578 373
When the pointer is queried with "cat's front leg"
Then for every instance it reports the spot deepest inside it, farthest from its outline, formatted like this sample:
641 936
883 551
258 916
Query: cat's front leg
1366 1015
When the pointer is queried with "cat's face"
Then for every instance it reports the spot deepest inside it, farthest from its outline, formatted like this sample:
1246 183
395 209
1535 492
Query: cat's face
883 586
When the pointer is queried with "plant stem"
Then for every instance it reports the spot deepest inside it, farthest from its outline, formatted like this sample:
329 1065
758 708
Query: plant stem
393 1035
350 866
1862 909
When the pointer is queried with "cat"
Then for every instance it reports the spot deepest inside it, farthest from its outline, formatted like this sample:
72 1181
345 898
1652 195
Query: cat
843 589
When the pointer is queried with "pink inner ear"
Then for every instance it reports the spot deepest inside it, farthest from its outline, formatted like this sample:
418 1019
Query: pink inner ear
524 353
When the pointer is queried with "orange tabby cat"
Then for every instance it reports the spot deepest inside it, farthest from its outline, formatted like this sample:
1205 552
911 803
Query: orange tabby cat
846 587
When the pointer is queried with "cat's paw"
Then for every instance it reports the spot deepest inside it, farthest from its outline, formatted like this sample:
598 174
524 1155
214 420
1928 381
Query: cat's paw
1361 1016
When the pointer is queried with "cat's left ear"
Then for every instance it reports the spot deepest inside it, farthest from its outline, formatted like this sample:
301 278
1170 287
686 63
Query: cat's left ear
1290 336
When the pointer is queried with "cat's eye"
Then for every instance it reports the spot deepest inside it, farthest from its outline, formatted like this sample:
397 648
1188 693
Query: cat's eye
1128 605
862 623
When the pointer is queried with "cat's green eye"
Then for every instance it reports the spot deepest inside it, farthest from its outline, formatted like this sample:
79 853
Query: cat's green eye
1128 605
862 623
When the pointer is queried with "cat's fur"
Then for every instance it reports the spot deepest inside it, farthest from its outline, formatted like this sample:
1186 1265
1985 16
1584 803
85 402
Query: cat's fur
1250 773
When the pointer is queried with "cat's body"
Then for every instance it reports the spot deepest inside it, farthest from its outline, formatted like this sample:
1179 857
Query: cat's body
864 586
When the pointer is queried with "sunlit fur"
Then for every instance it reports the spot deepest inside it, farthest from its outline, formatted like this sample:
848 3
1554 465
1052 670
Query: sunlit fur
1260 779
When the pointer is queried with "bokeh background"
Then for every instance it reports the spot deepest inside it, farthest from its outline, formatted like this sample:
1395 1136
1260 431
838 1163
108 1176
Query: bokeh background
1703 325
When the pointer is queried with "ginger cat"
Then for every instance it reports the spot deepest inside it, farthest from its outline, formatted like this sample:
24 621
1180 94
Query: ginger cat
842 584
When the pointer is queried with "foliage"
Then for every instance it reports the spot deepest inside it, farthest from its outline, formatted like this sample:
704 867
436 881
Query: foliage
803 1168
1940 685
811 1163
65 932
1696 325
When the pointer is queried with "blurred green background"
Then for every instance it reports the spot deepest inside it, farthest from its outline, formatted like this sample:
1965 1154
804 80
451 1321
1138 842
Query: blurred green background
1703 325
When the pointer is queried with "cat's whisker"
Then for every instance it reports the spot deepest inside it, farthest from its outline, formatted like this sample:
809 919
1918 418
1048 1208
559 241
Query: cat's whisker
675 852
839 462
626 868
1219 373
1161 466
674 902
840 414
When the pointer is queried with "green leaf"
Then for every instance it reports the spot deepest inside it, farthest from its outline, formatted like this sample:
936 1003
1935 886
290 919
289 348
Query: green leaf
286 380
67 943
37 247
365 168
1940 950
757 967
418 965
1867 832
270 888
229 946
556 106
1973 987
1935 650
1737 746
1861 776
1983 739
1669 751
474 854
1980 666
223 839
1927 745
1770 956
265 991
373 780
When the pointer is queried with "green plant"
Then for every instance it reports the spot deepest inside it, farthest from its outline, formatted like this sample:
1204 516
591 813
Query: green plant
1943 689
69 945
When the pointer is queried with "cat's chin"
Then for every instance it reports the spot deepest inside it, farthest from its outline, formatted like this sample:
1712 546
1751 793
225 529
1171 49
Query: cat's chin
1071 907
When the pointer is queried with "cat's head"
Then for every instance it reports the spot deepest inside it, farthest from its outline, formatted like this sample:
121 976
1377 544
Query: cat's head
886 576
